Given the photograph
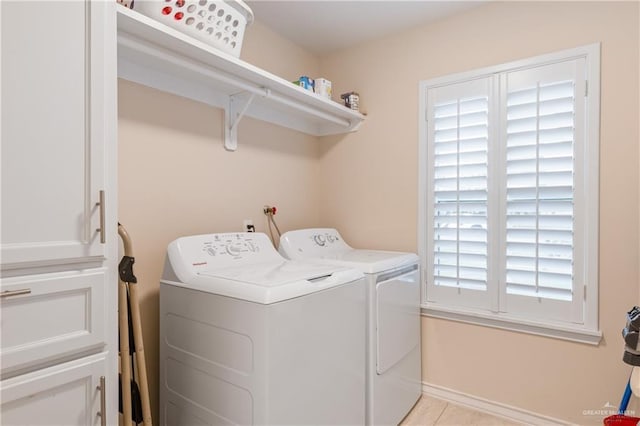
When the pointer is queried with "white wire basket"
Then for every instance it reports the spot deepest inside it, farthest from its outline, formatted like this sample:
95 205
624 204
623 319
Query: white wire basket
215 22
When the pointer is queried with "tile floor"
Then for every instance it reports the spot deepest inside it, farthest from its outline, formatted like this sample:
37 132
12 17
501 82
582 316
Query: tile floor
430 411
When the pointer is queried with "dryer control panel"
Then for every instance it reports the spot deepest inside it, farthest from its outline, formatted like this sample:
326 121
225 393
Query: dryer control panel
314 242
325 238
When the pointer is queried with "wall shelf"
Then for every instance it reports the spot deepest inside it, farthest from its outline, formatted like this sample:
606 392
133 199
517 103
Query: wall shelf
154 55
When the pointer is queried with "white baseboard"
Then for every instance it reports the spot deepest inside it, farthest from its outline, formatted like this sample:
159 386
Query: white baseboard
490 407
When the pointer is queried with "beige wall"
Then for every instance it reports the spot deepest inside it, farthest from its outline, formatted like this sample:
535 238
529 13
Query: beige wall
176 179
369 190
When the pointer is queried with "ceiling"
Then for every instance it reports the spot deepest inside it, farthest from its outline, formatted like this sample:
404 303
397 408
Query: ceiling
324 26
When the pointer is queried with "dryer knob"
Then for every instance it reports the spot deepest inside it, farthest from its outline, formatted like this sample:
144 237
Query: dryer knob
319 239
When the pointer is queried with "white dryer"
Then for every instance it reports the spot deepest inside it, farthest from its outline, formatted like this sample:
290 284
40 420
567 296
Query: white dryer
247 337
393 317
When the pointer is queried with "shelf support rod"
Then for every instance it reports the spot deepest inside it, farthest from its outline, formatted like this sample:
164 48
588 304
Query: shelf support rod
239 114
238 105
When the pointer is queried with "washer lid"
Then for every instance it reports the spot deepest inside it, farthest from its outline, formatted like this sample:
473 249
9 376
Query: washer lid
325 245
271 282
274 274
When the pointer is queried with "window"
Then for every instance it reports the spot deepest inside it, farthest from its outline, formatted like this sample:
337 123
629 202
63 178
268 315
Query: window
509 195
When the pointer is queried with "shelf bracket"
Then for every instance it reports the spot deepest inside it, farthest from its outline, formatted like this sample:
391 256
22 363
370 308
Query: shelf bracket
238 105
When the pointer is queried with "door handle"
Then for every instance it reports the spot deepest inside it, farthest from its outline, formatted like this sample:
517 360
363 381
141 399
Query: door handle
10 293
101 230
103 402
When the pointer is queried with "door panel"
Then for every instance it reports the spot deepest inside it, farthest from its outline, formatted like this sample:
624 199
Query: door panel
61 315
51 149
64 395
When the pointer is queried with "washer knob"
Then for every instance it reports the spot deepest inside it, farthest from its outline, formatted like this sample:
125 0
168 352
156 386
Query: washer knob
233 250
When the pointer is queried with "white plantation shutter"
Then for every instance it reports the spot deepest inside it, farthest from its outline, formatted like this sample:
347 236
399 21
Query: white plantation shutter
541 108
460 187
509 194
459 191
539 185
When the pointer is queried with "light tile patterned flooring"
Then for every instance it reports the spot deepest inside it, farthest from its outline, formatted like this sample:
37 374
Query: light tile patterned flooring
430 411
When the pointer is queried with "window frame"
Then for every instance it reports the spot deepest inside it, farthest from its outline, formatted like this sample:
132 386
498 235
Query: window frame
586 222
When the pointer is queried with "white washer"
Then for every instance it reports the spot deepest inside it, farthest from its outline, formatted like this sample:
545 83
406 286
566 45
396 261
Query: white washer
393 317
247 337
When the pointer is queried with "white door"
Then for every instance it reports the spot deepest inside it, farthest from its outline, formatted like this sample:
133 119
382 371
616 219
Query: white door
52 132
70 394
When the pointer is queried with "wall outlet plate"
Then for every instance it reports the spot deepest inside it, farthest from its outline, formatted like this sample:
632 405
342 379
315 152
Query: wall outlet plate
247 226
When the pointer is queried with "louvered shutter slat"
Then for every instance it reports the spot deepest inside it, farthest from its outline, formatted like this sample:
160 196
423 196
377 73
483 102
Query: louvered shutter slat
539 190
460 189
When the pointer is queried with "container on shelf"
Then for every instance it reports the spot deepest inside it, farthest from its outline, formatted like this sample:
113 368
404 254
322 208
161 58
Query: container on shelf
218 23
351 100
126 3
306 83
322 87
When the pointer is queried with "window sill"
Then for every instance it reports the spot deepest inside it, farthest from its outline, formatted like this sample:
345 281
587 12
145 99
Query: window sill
504 322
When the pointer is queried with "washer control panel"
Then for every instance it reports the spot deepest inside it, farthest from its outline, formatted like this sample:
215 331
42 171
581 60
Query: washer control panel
236 245
221 250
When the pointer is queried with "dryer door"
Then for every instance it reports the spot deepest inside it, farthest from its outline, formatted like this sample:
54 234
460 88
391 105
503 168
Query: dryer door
398 316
